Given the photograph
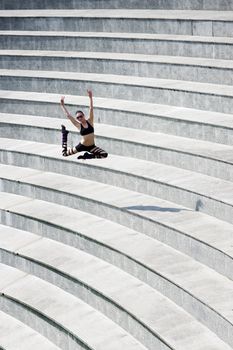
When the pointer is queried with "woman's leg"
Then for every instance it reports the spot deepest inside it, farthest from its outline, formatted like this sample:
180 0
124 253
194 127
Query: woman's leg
98 152
66 151
94 152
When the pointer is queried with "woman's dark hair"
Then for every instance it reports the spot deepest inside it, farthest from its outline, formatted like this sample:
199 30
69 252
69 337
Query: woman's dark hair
79 112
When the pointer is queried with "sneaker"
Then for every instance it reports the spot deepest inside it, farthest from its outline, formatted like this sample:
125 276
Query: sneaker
86 156
80 157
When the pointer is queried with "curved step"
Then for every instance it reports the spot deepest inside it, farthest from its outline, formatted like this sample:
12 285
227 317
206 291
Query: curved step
172 67
99 283
197 26
102 233
191 232
189 22
199 192
209 126
203 157
212 97
16 335
162 4
65 319
154 44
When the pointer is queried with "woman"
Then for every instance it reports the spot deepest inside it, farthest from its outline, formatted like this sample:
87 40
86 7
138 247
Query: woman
86 128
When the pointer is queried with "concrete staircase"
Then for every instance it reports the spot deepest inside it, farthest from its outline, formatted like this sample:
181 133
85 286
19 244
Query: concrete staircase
134 251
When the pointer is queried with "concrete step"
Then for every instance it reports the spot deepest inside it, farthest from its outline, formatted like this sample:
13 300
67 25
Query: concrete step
203 157
108 288
196 191
138 43
118 245
202 125
62 317
186 22
171 67
75 319
205 96
16 335
189 231
116 4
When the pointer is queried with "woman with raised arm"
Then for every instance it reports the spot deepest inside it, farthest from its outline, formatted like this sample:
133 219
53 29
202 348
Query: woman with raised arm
86 128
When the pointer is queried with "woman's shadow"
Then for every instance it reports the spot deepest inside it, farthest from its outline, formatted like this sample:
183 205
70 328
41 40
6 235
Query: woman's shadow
155 208
199 205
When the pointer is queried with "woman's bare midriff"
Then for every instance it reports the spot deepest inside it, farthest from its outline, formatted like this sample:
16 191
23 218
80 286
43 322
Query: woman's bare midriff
88 140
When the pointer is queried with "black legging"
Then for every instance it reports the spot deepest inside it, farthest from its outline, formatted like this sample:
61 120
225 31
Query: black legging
95 152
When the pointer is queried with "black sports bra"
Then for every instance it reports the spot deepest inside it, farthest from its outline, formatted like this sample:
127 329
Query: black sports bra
88 130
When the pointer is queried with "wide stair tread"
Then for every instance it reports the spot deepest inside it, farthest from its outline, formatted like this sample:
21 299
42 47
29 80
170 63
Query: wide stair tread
181 22
16 335
144 36
78 319
170 112
117 4
174 92
109 201
193 15
166 44
196 87
162 258
173 67
177 60
100 276
203 149
121 13
192 181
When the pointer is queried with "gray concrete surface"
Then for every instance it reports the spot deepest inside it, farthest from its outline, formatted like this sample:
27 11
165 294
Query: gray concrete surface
100 217
204 157
194 233
91 279
212 97
99 239
170 182
186 22
164 67
198 192
211 23
157 44
69 320
49 213
201 125
16 335
159 4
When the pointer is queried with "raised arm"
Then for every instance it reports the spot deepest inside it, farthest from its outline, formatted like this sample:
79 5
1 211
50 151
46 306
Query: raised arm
91 112
67 113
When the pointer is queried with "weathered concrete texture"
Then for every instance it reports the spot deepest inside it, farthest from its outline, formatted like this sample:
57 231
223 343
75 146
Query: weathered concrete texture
99 239
155 44
180 121
91 279
47 211
16 335
210 23
204 157
176 67
213 97
126 260
199 192
116 4
63 318
191 232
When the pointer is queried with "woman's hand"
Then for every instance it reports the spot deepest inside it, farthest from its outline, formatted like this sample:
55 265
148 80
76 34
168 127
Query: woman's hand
62 101
89 92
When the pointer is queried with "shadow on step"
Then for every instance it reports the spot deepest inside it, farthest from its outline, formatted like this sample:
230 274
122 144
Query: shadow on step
154 208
